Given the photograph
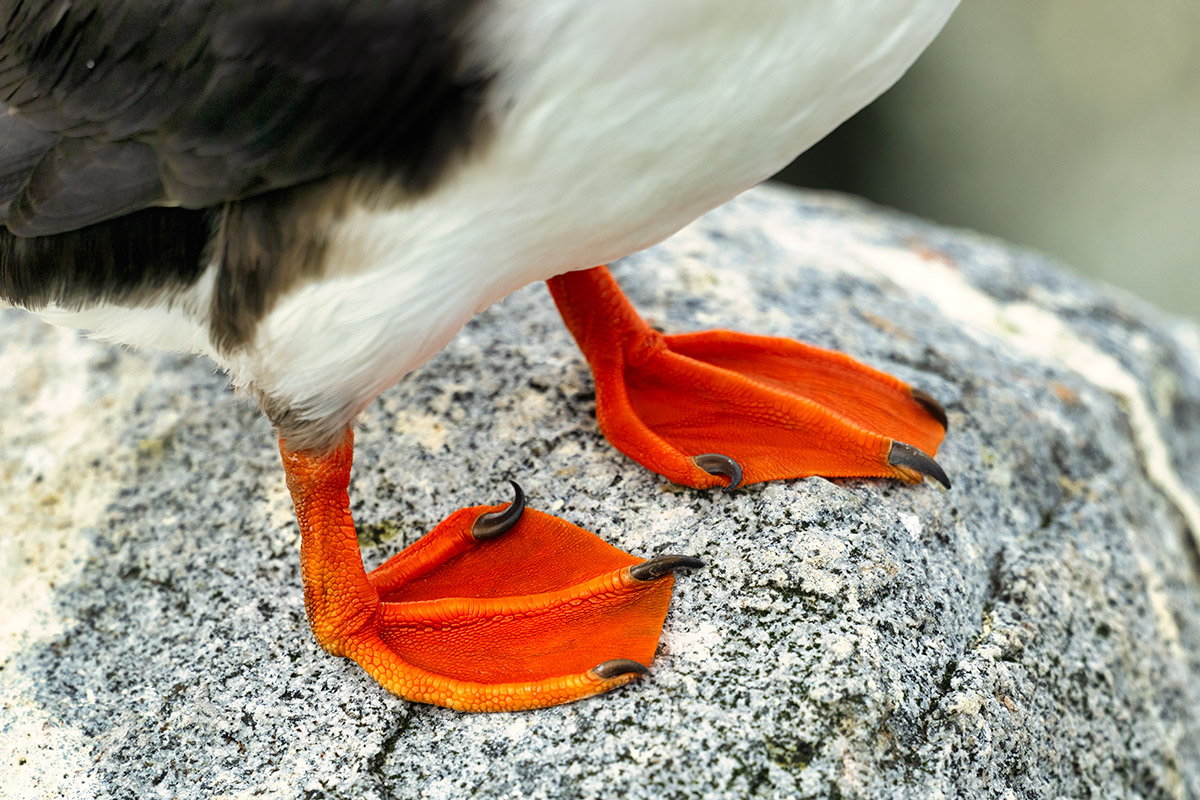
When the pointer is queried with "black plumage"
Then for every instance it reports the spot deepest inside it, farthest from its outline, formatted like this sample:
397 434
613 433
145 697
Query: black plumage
169 122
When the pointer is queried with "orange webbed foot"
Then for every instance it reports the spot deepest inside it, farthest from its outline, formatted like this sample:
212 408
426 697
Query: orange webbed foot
723 408
496 609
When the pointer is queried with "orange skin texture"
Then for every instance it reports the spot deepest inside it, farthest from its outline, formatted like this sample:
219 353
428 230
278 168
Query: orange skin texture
780 408
505 624
520 621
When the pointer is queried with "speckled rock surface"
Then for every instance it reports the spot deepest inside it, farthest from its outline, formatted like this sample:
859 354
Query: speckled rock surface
1034 632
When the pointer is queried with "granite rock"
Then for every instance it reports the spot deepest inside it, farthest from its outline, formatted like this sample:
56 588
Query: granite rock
1033 632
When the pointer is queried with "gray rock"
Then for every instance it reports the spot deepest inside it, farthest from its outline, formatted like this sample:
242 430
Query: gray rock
1034 632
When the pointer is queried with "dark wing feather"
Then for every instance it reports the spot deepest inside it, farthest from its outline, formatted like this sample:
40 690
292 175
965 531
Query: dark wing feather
127 104
21 148
80 182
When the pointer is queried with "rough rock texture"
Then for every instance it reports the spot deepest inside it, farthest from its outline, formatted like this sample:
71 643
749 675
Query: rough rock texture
1034 632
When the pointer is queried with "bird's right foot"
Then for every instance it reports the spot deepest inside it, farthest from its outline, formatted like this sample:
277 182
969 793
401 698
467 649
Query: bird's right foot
720 408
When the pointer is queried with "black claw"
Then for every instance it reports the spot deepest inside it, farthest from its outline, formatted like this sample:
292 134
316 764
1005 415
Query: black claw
905 455
717 464
932 406
498 523
618 667
659 567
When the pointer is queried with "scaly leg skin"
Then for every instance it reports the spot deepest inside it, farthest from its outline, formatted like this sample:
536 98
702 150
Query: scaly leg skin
724 408
496 609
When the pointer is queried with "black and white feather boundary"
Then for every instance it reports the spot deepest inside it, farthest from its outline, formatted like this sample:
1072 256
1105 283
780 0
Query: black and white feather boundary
319 194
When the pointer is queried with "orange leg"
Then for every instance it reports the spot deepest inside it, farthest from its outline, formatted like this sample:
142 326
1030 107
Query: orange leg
716 408
494 610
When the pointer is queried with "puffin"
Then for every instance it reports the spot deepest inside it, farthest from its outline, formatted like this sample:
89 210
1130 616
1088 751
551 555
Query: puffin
318 194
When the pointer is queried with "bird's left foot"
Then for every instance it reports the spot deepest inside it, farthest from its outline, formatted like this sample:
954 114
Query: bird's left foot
720 408
496 609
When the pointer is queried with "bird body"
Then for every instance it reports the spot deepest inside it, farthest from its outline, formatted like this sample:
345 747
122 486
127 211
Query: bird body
318 194
604 128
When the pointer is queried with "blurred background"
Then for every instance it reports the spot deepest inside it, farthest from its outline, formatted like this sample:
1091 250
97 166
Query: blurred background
1070 126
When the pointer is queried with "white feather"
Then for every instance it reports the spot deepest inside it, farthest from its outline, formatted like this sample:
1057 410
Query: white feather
619 122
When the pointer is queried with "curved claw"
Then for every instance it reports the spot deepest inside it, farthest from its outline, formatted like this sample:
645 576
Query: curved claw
722 465
662 566
616 667
905 455
498 523
926 401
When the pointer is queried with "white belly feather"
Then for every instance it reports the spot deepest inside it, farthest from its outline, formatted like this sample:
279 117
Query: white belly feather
618 123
